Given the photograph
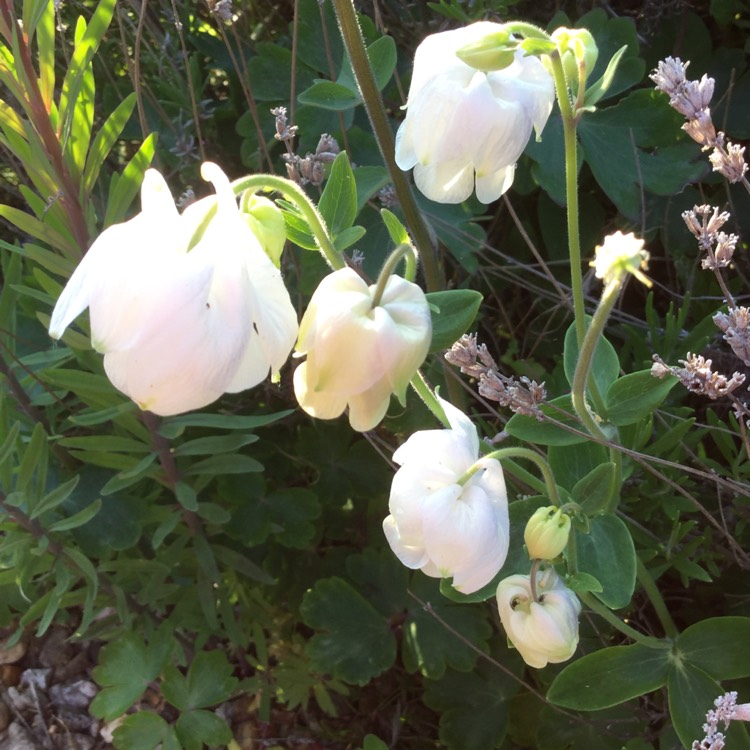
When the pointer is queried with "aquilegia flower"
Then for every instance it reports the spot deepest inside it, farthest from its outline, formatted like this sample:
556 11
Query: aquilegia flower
463 124
449 508
543 630
359 353
180 326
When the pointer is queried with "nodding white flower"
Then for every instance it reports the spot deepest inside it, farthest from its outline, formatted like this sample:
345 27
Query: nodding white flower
358 352
448 507
543 630
464 125
180 326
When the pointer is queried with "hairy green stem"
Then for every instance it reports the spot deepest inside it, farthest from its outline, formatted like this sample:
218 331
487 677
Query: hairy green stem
355 46
646 640
569 122
294 193
419 384
657 600
403 251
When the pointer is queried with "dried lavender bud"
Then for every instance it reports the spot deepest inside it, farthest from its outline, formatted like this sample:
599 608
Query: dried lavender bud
697 376
669 75
701 129
730 162
736 327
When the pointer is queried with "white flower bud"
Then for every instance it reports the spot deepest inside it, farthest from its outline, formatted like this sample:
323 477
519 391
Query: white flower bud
359 354
544 630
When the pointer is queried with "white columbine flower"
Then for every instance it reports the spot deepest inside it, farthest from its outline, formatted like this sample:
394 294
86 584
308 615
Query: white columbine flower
442 521
463 124
359 353
545 630
180 326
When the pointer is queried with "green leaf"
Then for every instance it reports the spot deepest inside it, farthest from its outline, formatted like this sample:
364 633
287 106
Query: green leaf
330 95
430 645
473 705
595 491
172 427
606 365
123 188
145 730
571 463
583 583
395 228
338 203
372 742
596 90
209 682
610 676
706 645
104 141
691 695
621 134
79 519
198 728
347 237
125 669
369 180
608 554
54 498
214 445
357 643
546 432
225 464
453 311
633 397
383 57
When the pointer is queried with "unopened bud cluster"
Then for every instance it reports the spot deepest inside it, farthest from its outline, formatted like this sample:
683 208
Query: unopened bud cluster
692 99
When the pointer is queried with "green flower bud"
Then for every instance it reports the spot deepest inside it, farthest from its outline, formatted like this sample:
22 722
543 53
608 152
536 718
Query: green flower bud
577 47
266 222
493 51
547 533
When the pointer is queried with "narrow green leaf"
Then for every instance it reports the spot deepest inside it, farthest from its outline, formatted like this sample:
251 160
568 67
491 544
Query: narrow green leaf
104 141
172 427
124 187
597 90
348 237
610 676
395 228
54 498
79 519
211 446
338 203
225 464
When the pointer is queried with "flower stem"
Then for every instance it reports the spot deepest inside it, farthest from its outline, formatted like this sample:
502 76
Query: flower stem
583 372
355 46
404 251
419 384
657 600
569 122
542 465
293 192
646 640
